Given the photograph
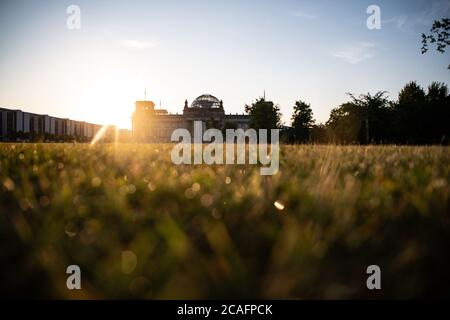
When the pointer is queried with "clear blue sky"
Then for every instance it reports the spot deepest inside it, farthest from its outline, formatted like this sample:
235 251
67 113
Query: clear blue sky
310 50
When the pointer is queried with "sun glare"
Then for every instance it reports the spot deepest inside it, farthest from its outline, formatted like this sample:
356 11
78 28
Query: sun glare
99 134
106 101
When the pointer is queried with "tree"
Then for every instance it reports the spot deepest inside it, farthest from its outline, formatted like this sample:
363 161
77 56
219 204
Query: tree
264 114
423 117
344 124
437 91
373 112
409 112
411 93
437 113
319 133
439 34
364 119
417 117
302 121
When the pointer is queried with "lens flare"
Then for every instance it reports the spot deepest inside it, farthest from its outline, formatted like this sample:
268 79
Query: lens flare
99 134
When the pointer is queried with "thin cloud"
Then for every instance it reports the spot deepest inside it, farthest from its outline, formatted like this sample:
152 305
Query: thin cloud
302 15
136 44
355 53
399 21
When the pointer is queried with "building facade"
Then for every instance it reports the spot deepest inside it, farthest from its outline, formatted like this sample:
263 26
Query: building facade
156 125
18 125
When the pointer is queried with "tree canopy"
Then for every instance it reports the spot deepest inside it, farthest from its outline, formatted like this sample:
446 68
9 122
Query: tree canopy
302 121
264 114
439 35
416 116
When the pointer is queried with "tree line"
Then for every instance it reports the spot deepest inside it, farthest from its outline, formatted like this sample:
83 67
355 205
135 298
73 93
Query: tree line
417 116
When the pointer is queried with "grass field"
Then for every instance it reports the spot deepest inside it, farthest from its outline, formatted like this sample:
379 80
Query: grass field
140 227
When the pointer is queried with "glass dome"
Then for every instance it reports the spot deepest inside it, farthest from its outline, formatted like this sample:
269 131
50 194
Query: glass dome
206 101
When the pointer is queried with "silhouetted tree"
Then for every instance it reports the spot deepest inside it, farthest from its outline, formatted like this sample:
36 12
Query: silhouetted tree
361 120
375 115
319 133
437 91
439 34
344 124
411 93
416 117
409 114
264 114
302 121
437 113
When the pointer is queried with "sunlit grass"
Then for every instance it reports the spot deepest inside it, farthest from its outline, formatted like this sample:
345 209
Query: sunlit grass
139 226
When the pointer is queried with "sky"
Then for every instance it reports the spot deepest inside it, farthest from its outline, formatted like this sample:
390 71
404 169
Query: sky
316 51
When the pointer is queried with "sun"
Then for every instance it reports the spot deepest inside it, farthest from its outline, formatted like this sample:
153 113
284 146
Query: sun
106 100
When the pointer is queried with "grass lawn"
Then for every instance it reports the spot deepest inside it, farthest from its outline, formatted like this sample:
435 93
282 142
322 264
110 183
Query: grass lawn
140 227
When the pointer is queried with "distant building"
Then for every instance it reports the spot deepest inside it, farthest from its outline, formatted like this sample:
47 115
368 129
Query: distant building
156 125
18 125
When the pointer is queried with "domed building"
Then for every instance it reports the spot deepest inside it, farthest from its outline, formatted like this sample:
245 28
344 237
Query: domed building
156 125
206 101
